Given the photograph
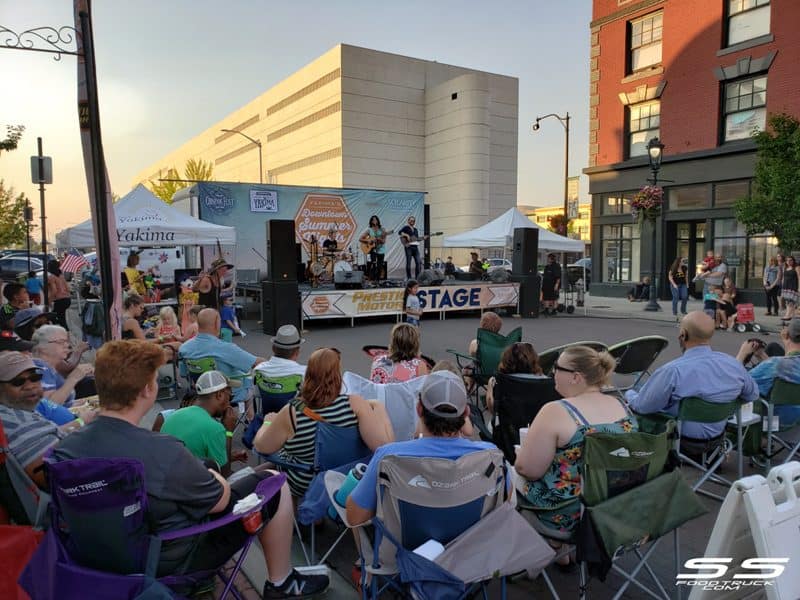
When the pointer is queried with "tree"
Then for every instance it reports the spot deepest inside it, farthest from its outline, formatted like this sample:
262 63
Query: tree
195 170
774 202
12 217
556 225
13 135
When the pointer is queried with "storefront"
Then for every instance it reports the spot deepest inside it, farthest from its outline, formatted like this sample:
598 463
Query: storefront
697 216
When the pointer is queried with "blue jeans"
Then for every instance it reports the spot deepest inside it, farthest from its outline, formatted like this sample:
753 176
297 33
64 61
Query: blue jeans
679 293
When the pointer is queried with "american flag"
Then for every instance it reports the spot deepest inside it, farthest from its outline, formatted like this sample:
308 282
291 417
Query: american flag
73 261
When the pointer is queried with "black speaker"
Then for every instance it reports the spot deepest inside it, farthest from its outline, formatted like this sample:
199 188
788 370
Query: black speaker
281 250
525 251
529 288
280 305
431 277
348 280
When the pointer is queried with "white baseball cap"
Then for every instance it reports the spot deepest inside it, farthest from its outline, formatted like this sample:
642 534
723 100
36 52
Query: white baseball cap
213 381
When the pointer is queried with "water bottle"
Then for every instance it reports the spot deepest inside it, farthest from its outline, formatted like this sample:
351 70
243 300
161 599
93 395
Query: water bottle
340 497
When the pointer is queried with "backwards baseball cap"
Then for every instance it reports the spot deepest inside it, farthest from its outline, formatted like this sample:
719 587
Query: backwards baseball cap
793 330
213 381
14 363
11 341
444 389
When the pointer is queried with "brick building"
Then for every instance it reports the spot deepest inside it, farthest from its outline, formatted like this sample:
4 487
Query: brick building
700 75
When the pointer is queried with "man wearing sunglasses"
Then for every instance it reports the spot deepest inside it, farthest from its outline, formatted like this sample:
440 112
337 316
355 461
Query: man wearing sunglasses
29 434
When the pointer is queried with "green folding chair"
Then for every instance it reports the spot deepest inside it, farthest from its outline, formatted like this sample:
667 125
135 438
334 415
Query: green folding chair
712 452
197 366
784 393
632 499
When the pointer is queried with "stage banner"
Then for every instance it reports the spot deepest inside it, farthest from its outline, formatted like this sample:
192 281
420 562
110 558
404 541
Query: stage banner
315 211
388 301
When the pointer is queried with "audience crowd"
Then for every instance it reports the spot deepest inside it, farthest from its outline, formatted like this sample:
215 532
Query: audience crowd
54 402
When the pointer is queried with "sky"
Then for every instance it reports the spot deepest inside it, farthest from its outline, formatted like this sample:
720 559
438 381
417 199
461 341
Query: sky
169 69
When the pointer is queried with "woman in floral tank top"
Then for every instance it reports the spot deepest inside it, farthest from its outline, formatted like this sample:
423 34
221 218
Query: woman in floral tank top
549 463
403 361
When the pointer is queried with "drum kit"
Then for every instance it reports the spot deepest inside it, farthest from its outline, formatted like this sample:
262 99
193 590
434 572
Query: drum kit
323 265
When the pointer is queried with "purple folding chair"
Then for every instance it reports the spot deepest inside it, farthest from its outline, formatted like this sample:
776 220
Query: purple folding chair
100 543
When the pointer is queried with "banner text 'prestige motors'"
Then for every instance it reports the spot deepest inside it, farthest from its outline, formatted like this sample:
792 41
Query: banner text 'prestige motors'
377 301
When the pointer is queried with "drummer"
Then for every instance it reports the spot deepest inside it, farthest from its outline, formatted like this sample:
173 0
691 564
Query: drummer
330 246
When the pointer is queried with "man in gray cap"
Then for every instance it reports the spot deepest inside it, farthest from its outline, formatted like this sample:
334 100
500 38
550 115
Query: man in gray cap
443 410
29 433
279 378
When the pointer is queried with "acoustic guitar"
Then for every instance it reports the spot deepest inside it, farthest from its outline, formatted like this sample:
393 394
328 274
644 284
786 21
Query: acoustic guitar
415 240
368 242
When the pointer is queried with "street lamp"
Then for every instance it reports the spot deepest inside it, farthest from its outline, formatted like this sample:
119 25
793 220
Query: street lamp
655 151
565 124
257 143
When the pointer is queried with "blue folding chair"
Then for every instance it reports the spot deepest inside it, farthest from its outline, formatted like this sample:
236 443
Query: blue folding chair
100 543
334 448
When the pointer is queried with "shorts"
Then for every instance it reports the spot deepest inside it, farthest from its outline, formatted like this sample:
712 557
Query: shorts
215 548
549 291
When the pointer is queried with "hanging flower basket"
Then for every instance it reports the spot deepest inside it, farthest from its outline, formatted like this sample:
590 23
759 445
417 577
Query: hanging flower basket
647 203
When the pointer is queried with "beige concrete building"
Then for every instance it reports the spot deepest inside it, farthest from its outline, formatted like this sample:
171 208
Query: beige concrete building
360 118
580 226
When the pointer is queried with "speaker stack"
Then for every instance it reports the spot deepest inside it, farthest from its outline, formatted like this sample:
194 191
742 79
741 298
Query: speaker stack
524 270
280 295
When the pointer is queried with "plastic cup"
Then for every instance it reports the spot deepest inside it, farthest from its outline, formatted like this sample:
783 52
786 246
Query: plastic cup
252 522
523 432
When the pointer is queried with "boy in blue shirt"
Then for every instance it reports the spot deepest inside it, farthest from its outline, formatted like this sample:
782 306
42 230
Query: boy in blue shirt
34 286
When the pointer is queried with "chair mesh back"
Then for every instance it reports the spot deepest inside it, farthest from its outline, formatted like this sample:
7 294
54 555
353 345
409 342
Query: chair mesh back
702 411
517 401
635 356
336 446
421 498
99 508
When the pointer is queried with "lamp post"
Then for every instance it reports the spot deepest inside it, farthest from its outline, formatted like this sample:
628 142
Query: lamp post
257 143
655 151
565 124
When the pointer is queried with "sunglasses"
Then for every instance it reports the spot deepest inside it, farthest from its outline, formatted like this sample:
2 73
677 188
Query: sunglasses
20 381
558 367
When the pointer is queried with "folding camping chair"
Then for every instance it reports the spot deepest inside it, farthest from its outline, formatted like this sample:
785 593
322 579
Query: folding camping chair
100 544
22 500
483 366
194 367
784 393
275 392
462 505
334 448
517 401
635 357
712 452
632 498
548 358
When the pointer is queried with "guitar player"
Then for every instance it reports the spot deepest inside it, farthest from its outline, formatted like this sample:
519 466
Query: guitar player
411 239
374 236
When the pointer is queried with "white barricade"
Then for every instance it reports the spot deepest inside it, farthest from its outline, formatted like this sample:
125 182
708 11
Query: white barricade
754 549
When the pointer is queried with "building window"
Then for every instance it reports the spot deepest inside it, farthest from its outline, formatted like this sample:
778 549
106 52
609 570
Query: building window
643 125
760 248
745 107
618 203
620 246
747 19
645 42
726 194
689 197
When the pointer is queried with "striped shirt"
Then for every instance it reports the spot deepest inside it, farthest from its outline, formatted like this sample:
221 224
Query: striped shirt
29 434
301 447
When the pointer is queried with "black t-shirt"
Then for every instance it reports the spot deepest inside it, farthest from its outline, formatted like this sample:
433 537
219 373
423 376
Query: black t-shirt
552 273
180 490
330 245
412 232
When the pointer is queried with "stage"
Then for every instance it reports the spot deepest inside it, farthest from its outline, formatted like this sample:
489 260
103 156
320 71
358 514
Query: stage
326 302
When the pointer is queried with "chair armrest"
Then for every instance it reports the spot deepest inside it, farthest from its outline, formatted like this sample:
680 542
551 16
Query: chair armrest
279 461
265 489
459 357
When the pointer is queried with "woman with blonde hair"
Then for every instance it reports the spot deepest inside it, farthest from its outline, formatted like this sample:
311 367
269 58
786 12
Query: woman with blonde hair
549 462
292 430
403 361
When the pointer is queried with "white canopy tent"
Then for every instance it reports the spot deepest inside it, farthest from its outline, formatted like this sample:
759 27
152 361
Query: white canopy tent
496 234
143 219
